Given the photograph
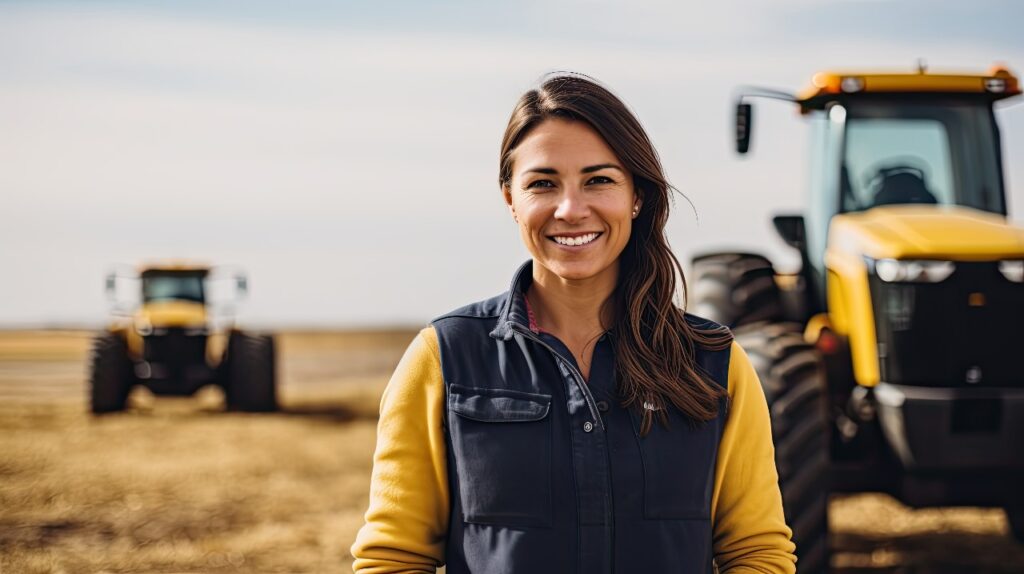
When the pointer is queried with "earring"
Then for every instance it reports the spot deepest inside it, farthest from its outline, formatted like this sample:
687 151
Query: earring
636 211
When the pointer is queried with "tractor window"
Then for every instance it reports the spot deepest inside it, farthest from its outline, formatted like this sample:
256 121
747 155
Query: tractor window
172 287
897 161
906 152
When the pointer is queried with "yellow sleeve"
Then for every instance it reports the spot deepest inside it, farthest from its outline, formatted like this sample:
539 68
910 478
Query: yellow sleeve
407 520
750 532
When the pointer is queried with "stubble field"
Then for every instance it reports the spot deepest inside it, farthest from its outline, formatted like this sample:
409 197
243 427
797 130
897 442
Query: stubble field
177 485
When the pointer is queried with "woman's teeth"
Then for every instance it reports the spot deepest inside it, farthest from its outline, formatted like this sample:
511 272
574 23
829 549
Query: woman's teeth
580 240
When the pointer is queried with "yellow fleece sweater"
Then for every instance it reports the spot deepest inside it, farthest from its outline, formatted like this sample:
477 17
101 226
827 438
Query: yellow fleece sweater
407 519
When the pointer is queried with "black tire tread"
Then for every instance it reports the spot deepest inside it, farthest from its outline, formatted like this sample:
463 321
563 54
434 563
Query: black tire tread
734 289
792 376
814 557
110 374
249 375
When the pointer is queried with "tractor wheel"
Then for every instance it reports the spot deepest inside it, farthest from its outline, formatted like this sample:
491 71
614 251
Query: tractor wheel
734 289
792 376
250 374
1015 516
110 375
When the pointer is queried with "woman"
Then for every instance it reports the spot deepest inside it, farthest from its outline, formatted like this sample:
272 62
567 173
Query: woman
579 422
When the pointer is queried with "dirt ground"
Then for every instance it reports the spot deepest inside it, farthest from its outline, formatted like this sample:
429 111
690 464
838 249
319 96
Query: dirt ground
176 485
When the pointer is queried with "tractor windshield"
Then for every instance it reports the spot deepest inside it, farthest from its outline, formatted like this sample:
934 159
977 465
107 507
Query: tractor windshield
905 151
172 286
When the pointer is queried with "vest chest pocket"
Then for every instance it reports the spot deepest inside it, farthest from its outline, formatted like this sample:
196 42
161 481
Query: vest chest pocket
501 440
679 468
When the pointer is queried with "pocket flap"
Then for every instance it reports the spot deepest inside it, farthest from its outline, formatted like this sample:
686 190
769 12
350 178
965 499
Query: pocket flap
497 405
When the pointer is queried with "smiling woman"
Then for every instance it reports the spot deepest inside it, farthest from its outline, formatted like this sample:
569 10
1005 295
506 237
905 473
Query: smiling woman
580 421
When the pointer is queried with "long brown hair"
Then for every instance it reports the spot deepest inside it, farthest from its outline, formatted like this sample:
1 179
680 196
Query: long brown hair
654 344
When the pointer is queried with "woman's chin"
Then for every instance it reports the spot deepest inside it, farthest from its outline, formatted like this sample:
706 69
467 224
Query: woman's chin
575 270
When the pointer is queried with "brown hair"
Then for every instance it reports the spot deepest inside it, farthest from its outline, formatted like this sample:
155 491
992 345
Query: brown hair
654 344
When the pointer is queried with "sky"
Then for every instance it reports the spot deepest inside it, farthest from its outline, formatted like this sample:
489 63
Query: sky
345 153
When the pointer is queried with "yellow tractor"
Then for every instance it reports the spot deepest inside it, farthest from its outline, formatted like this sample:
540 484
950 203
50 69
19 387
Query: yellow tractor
889 360
165 337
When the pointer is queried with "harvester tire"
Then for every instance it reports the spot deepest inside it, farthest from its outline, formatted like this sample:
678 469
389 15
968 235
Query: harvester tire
793 380
1015 516
734 289
110 375
250 383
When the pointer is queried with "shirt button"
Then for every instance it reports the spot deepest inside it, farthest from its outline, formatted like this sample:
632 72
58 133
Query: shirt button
602 406
588 426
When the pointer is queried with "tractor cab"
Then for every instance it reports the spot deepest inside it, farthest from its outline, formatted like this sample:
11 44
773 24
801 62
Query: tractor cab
161 285
177 294
882 140
942 151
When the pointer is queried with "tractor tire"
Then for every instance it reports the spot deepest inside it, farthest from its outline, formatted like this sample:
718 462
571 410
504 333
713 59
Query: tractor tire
1015 516
250 378
734 289
793 380
110 375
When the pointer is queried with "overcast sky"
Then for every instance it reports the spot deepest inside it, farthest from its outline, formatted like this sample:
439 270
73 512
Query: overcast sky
345 154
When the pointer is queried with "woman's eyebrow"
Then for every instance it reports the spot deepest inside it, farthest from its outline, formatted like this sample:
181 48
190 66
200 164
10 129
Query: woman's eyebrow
547 170
599 167
588 169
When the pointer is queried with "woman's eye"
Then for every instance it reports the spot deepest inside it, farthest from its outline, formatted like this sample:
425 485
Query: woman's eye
600 179
540 183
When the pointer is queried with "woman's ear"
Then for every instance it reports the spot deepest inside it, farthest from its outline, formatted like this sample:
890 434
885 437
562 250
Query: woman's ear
507 194
637 203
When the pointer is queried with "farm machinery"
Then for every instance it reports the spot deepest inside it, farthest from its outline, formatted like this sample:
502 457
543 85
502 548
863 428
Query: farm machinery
890 359
167 340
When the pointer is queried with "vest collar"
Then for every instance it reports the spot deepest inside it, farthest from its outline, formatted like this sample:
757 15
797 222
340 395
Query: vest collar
513 310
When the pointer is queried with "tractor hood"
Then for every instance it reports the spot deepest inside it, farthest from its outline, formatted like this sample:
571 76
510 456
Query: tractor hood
927 232
172 314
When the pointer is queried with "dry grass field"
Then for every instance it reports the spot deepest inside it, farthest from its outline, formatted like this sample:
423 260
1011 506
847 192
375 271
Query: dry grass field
176 485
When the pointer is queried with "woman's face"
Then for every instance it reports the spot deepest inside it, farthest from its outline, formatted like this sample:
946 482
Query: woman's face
572 198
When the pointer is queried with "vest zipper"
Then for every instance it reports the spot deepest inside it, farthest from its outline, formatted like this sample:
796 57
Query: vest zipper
591 403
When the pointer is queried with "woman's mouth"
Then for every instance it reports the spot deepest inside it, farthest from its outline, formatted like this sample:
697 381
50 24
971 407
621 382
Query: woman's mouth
575 240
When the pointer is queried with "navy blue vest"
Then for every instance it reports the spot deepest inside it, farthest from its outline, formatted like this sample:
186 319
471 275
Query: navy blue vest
548 473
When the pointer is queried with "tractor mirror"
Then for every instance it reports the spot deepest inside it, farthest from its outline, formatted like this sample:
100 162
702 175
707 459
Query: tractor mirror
744 117
791 228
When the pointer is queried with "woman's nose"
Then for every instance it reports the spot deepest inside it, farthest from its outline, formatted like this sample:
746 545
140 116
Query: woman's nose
572 206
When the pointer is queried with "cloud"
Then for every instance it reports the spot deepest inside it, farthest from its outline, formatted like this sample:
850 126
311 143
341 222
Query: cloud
327 151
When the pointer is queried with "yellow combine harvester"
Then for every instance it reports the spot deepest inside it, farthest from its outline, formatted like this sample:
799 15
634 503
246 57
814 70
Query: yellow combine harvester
890 361
169 343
